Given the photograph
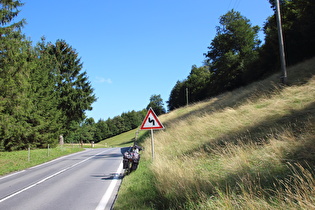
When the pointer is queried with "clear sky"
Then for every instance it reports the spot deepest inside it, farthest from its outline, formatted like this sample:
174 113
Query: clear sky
132 49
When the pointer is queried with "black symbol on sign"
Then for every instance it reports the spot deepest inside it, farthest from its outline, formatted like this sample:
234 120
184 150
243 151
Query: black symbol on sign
151 121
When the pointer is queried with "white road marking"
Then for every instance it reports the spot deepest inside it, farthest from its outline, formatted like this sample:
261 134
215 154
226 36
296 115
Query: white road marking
102 204
46 178
18 172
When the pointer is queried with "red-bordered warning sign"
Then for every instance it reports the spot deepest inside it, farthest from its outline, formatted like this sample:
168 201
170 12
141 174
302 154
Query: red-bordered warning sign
151 121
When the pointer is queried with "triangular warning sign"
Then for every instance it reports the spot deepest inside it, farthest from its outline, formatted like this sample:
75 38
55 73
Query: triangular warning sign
151 121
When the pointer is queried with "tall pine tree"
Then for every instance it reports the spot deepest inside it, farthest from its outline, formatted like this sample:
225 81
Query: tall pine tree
75 93
15 105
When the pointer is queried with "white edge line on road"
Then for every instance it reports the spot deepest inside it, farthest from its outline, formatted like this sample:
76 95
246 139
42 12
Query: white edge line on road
46 178
12 174
42 164
102 204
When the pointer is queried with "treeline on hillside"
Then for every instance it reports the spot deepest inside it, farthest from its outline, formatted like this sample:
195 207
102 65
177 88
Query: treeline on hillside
103 129
237 58
44 93
90 130
43 90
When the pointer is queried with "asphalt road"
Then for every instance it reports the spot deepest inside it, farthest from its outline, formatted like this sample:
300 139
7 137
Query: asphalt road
86 180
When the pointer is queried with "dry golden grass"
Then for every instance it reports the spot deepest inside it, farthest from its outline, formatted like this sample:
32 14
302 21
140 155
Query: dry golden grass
252 148
228 147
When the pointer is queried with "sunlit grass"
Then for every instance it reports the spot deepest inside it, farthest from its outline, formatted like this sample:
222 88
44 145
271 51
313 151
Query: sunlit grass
252 148
20 160
126 139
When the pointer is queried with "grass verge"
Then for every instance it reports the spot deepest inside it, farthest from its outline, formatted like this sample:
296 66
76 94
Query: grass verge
252 148
20 160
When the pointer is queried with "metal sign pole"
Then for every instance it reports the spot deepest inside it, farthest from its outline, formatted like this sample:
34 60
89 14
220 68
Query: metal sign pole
151 122
152 144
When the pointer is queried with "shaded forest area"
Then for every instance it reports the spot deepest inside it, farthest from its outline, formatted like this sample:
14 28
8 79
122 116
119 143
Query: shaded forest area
237 58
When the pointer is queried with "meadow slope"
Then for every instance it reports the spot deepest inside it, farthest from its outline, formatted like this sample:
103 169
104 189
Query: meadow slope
246 149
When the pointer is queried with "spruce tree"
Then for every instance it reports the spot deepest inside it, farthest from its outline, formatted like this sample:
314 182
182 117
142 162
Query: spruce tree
15 104
45 116
74 91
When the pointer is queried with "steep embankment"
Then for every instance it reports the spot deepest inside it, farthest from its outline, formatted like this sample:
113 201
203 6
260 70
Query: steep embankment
250 148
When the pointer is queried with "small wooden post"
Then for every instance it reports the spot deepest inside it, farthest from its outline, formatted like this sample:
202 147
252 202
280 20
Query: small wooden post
29 153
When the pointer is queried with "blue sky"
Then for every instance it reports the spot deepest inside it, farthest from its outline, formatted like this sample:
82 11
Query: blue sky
137 48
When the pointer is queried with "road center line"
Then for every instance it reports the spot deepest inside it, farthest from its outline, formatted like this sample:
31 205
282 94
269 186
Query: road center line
48 177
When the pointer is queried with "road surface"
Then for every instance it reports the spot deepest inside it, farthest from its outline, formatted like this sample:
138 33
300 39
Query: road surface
86 180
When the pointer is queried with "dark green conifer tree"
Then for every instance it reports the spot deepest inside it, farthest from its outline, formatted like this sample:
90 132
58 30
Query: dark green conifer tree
177 96
75 93
15 105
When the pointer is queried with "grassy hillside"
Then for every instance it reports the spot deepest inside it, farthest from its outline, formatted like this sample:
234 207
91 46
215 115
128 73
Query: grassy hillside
253 148
126 139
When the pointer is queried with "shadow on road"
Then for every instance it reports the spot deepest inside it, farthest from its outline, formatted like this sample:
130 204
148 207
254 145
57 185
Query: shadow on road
110 176
113 176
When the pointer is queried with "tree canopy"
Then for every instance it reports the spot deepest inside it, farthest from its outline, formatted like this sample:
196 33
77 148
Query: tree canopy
236 56
43 90
231 52
156 103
